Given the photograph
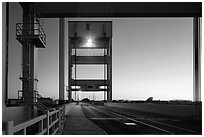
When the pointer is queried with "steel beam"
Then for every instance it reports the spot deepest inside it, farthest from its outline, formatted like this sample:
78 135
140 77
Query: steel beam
61 59
70 71
5 70
89 60
88 90
119 9
89 82
196 60
109 72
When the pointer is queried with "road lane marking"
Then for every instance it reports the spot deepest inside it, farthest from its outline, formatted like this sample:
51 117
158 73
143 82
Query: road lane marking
130 124
176 127
136 116
143 123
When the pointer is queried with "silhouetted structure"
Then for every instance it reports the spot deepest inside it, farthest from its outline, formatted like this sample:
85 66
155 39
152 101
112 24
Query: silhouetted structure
31 36
90 43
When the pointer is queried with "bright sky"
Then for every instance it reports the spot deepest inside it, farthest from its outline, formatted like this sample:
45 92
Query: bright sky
151 57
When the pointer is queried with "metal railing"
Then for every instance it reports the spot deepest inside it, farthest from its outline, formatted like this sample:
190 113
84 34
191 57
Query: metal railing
38 101
32 29
36 95
48 124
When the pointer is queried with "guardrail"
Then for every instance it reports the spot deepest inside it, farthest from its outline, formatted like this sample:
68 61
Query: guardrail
30 29
48 124
36 95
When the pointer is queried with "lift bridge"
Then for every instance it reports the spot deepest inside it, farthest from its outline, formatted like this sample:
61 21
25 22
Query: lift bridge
84 36
90 43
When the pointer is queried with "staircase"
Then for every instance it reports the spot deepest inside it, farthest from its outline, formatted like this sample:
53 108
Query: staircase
38 101
41 103
41 107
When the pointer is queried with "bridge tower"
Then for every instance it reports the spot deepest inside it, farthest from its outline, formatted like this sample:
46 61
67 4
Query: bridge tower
90 43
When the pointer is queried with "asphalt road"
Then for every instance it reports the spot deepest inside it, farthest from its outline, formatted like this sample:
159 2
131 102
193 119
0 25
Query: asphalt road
116 121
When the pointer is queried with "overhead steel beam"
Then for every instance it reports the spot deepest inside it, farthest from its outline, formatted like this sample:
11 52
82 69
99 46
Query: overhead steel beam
88 90
90 60
119 9
88 82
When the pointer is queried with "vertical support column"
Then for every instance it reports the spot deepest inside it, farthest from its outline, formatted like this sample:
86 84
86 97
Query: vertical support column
70 71
61 59
105 75
196 60
36 69
28 60
75 69
7 49
75 53
110 71
5 43
104 54
32 79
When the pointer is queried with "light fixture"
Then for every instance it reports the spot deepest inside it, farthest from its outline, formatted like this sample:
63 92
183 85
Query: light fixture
89 42
75 87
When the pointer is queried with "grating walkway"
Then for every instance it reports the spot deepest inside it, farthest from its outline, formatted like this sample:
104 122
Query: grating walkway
77 124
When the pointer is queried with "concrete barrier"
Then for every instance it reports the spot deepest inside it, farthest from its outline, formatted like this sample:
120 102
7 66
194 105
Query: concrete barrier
184 111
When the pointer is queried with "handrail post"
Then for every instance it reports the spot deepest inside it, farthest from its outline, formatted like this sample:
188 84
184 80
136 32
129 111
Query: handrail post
60 120
40 127
48 123
62 116
24 131
9 128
